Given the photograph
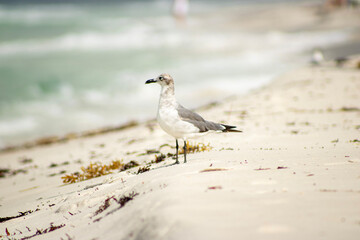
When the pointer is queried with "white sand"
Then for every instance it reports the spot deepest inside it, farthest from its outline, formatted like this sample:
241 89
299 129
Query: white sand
293 174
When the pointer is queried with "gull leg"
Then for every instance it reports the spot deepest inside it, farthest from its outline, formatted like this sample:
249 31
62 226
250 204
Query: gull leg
185 151
177 152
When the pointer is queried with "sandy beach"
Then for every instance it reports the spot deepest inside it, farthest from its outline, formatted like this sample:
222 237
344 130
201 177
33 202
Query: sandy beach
292 174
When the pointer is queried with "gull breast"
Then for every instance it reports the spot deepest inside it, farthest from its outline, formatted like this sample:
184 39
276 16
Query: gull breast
170 121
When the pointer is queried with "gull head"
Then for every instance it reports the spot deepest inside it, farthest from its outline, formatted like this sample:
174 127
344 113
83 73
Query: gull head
163 79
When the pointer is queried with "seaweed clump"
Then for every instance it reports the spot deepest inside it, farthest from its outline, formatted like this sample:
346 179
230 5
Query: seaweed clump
96 170
121 201
143 169
21 214
38 231
192 148
4 172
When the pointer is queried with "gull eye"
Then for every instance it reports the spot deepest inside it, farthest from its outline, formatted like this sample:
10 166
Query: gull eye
161 78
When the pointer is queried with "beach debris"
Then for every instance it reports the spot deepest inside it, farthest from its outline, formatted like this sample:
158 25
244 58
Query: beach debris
261 169
129 165
53 165
97 169
349 109
193 147
40 231
213 170
104 206
21 214
355 141
228 149
143 169
152 151
48 140
79 161
160 158
166 145
132 141
55 139
54 174
290 124
131 153
215 187
150 126
340 61
109 129
122 201
149 151
4 172
101 145
327 190
26 160
281 167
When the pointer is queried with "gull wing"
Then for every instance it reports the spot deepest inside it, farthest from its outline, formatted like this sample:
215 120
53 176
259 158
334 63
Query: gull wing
199 122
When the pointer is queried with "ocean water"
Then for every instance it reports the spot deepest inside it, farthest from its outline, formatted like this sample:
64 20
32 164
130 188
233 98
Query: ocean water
70 67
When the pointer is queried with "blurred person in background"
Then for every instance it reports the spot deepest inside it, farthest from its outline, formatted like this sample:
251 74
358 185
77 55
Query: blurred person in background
180 9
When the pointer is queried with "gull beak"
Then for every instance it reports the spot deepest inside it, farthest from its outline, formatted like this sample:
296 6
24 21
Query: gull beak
150 81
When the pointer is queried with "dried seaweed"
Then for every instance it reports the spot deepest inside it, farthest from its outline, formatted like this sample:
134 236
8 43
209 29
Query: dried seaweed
192 148
349 109
4 172
52 165
21 214
148 152
96 170
143 169
159 158
213 170
129 165
105 205
121 201
43 231
26 160
260 169
54 174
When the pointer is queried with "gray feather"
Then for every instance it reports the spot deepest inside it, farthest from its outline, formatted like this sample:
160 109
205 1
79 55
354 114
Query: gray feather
198 121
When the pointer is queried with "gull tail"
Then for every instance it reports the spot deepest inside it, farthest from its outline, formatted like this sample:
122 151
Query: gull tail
229 128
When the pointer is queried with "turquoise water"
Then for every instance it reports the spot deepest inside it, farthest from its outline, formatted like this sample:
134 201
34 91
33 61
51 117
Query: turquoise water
72 67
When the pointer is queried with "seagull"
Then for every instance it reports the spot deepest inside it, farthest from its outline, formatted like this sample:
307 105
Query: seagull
179 122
